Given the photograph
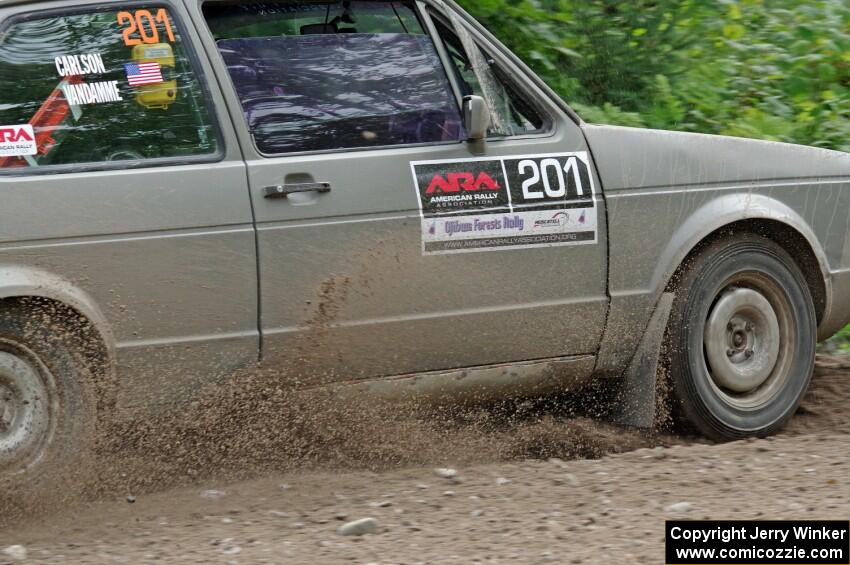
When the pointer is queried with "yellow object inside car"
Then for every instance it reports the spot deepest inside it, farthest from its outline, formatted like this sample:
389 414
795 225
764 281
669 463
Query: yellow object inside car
157 96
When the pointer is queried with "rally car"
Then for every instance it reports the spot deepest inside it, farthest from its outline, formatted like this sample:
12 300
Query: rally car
378 194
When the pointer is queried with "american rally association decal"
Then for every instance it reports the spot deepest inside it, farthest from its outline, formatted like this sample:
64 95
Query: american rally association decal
511 202
17 141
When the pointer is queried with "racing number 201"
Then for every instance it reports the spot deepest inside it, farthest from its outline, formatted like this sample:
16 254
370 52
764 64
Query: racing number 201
146 25
541 171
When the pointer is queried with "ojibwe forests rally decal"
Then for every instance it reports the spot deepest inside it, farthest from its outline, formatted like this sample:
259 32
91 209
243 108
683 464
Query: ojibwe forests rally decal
509 202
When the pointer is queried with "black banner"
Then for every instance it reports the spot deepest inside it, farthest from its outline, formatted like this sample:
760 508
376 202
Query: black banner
548 182
465 186
766 542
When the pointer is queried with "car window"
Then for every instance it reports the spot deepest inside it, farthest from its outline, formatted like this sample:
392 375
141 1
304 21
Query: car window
102 86
477 73
317 76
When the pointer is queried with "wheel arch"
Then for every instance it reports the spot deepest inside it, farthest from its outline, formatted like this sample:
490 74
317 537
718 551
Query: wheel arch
757 214
31 288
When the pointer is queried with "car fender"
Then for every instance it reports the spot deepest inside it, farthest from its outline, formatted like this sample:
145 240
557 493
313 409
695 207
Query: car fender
722 211
17 281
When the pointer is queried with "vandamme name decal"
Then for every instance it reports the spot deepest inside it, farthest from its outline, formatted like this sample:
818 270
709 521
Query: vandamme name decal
512 202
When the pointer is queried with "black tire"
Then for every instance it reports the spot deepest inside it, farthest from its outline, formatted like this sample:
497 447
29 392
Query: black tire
36 345
725 399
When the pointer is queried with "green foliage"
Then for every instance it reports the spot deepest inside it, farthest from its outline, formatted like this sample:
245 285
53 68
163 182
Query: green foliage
608 114
837 344
777 69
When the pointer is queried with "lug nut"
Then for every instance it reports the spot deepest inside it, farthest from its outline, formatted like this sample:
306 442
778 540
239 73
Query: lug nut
749 326
730 327
748 353
730 352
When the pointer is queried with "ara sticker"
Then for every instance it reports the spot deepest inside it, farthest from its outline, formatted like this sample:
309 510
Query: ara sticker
512 202
17 141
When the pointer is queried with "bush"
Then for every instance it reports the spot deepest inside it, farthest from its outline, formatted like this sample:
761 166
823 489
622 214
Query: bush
779 72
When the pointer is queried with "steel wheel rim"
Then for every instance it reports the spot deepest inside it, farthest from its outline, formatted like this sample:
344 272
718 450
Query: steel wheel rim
28 408
748 341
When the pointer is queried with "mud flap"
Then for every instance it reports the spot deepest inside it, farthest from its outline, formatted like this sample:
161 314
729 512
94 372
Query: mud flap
636 402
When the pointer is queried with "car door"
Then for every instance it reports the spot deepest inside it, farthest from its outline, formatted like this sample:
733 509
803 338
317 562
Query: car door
130 190
387 243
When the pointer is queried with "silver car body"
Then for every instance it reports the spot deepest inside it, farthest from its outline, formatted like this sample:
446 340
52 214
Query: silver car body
186 271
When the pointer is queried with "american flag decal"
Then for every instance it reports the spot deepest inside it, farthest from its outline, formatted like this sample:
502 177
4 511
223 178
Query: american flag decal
140 74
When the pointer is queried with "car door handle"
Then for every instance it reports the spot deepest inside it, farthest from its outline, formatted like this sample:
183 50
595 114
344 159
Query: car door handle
284 190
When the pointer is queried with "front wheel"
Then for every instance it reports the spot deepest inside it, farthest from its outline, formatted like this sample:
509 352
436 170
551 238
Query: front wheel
741 338
47 404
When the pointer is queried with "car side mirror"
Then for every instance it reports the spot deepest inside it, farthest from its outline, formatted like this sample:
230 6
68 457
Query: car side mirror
476 118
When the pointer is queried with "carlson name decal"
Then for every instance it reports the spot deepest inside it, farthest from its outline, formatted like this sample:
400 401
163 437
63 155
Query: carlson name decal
80 65
520 201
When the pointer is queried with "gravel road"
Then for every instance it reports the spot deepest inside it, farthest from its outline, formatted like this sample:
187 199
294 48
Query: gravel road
502 510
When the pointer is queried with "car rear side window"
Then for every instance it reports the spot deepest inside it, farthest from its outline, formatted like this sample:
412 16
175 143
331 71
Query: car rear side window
315 76
100 86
